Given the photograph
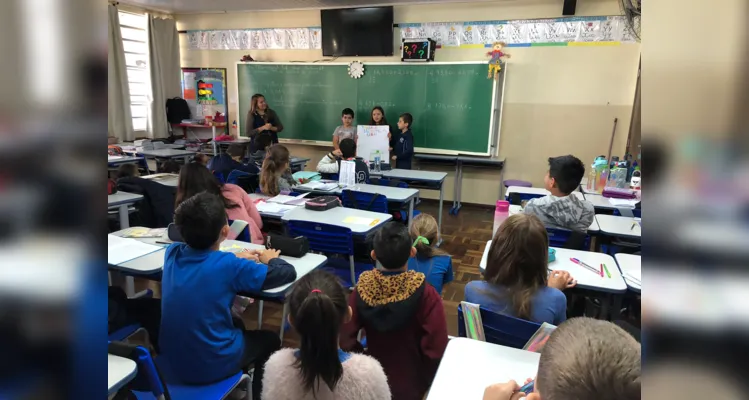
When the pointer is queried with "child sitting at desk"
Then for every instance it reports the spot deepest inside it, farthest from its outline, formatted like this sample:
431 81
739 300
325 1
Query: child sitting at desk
275 176
401 314
345 131
319 369
560 209
262 143
517 281
434 263
127 170
194 179
331 162
231 160
584 358
198 339
403 143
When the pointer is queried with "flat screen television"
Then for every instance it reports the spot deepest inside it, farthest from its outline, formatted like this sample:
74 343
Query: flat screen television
364 31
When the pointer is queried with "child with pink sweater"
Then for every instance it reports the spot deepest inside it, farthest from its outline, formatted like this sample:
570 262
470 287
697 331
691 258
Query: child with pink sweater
318 308
194 178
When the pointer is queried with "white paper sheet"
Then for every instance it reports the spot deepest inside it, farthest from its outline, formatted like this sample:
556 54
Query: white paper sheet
273 208
347 174
317 185
623 202
371 139
284 199
121 249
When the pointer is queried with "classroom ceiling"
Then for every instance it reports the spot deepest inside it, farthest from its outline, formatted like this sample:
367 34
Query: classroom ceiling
203 6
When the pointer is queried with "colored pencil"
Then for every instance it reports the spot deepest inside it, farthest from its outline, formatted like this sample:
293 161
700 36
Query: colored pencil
601 270
607 270
582 264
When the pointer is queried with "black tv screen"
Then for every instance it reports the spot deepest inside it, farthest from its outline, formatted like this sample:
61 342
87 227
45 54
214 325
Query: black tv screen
357 31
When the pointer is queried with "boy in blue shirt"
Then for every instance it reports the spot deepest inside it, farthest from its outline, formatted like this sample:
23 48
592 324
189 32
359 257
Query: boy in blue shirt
403 143
199 340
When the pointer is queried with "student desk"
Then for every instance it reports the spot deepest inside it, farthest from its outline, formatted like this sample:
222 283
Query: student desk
337 215
117 160
164 179
593 229
168 154
630 263
610 287
154 262
121 200
419 177
469 366
534 192
460 161
130 148
212 126
120 371
297 163
618 226
393 194
585 278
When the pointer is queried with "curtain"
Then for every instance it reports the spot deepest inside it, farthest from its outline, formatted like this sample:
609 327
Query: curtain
163 43
119 114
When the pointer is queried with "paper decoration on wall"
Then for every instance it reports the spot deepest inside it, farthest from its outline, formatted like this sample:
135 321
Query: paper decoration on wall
298 39
446 34
315 38
256 40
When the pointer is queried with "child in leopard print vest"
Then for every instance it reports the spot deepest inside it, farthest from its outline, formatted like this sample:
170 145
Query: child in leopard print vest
401 314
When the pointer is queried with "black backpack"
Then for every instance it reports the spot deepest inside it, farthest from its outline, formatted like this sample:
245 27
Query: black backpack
177 110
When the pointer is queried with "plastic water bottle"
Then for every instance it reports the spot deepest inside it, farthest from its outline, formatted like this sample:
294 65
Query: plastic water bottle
501 213
377 159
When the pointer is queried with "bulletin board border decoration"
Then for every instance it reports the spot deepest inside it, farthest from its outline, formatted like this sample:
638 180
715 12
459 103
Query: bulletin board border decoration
569 31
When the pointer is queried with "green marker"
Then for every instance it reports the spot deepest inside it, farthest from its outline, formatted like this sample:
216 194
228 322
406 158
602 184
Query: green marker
607 270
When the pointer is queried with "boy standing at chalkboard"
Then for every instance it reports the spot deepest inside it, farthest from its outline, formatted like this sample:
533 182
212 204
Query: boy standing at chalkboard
345 131
403 143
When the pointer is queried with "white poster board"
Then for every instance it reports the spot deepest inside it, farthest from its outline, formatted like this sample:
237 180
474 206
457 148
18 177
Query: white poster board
372 138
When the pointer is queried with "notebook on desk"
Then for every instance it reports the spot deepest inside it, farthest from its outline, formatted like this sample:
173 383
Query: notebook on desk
120 250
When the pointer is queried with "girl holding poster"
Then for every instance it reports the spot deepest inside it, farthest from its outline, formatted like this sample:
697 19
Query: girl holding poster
377 117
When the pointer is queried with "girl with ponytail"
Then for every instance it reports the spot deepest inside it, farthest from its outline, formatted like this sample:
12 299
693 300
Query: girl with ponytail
319 369
273 176
434 263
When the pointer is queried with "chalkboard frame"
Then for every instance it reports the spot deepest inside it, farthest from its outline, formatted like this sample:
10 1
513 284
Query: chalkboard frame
495 115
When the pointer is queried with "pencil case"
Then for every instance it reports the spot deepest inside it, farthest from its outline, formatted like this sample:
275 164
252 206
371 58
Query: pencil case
619 193
292 247
552 254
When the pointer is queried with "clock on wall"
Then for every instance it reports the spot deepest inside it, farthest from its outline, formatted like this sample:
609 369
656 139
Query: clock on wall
356 69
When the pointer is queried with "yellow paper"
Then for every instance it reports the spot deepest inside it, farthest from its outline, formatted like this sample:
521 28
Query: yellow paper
359 220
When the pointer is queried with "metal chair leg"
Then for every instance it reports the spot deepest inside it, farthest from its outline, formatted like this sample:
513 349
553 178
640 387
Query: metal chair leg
260 315
283 319
353 270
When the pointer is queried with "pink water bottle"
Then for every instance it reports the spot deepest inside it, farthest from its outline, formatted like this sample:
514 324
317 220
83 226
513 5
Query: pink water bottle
501 213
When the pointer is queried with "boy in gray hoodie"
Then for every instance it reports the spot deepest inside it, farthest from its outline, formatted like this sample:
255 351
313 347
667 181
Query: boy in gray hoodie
559 209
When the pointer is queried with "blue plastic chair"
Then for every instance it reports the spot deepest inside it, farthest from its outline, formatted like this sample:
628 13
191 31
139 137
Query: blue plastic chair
234 175
219 176
161 384
567 239
126 331
374 202
328 239
501 329
636 212
243 236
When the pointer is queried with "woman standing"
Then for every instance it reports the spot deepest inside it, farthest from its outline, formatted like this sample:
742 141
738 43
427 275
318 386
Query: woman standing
261 119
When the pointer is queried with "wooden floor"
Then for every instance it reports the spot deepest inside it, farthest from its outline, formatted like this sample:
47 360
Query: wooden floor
464 238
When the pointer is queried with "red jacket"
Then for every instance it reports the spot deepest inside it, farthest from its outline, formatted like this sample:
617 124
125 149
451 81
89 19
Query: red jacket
405 327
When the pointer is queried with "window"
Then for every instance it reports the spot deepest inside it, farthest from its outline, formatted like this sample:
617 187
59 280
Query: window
134 29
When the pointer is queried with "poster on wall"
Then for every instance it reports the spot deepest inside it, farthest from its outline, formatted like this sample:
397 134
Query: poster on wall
204 89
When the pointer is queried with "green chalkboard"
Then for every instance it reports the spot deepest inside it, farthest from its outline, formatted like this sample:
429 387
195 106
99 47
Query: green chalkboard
451 103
